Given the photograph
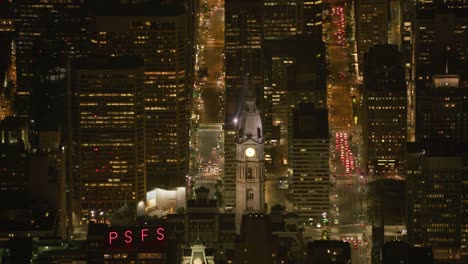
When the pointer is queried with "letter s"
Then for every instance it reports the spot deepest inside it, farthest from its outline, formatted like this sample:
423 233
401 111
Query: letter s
160 232
128 238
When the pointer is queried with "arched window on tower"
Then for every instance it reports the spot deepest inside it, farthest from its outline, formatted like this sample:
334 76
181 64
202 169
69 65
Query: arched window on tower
259 132
250 173
250 194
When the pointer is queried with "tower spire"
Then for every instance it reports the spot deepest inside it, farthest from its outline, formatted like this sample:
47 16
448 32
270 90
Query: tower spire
249 93
447 60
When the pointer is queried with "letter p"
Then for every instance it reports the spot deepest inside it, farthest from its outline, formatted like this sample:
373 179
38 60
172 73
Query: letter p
112 235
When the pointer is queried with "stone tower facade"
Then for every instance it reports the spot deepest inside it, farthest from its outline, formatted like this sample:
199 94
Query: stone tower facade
250 170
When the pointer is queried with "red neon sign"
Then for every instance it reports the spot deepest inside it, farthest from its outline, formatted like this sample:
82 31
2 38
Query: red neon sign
135 236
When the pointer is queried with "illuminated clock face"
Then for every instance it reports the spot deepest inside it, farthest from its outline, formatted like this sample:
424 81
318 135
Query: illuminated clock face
250 152
198 261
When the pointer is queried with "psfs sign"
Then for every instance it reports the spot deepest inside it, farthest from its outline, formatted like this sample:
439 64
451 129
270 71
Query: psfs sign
141 237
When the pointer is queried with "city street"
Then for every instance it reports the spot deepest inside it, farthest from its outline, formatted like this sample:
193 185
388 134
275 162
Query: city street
208 104
209 140
348 197
212 85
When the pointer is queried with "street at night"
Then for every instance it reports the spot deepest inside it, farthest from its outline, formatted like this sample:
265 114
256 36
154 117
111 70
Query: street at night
348 196
209 101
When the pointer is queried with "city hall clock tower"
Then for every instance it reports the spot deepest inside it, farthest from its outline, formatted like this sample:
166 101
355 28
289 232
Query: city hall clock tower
250 170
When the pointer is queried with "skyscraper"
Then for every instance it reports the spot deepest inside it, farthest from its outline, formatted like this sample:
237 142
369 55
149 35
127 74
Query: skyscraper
309 161
436 170
440 42
281 19
14 145
108 134
230 167
442 109
372 18
243 51
158 33
385 104
311 18
295 72
58 25
436 197
285 19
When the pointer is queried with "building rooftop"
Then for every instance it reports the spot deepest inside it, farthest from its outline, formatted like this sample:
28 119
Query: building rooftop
310 122
438 148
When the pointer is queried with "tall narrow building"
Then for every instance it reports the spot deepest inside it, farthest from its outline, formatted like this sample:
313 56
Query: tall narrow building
281 19
229 170
436 172
14 150
440 40
372 27
442 109
436 199
243 50
294 73
158 33
250 171
385 104
284 19
54 25
309 161
108 134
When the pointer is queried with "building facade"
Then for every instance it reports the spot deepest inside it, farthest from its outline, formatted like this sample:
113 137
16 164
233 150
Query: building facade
440 42
243 50
372 26
442 109
309 162
14 156
250 171
436 197
385 111
162 39
41 25
284 19
108 135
